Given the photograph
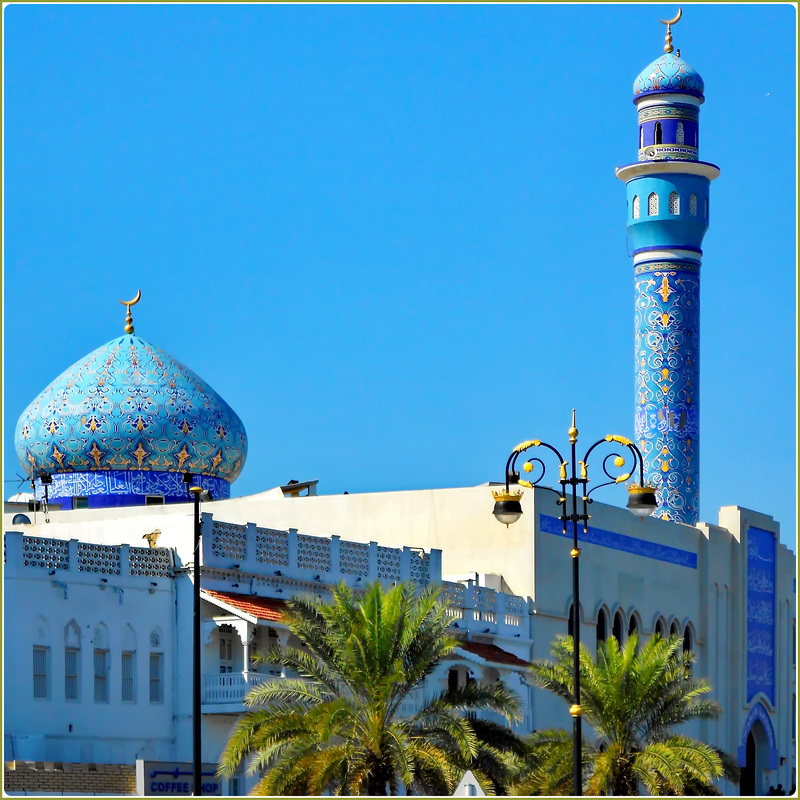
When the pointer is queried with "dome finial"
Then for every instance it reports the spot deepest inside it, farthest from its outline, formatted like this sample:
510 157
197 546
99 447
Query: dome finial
669 23
128 304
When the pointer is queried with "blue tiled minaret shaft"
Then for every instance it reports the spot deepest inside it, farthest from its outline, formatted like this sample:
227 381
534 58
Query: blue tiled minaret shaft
667 217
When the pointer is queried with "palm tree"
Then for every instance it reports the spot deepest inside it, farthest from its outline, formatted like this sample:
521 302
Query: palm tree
337 728
633 699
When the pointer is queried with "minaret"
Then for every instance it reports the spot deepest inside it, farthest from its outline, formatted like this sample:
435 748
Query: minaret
667 192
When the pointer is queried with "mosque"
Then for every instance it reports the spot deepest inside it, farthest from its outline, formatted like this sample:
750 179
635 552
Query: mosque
98 560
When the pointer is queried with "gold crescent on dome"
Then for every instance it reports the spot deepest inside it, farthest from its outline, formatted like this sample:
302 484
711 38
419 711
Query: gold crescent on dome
135 300
673 20
128 304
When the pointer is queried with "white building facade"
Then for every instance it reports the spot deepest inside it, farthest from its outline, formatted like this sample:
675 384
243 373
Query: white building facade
98 648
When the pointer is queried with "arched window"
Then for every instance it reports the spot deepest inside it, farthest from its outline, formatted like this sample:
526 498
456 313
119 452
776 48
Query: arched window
658 133
72 660
601 627
616 630
693 204
632 625
101 664
128 671
636 204
660 629
687 649
226 633
156 668
705 208
675 629
41 659
674 203
652 204
679 134
641 136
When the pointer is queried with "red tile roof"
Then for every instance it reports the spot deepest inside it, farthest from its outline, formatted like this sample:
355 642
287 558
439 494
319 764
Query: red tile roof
492 653
265 608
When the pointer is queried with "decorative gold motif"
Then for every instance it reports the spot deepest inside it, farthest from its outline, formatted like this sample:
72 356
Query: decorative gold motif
622 478
525 445
575 552
619 461
96 453
584 473
618 439
152 538
526 484
666 290
576 710
128 304
669 23
573 431
502 495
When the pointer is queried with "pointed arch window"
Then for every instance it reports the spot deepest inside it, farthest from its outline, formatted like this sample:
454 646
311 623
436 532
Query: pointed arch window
693 204
679 134
652 204
641 136
660 629
156 668
72 658
601 627
674 203
636 206
616 630
659 134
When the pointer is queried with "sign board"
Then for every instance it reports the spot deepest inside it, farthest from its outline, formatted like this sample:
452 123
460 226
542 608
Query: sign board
174 779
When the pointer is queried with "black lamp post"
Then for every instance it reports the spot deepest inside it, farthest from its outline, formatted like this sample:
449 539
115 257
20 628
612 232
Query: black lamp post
508 509
196 726
196 494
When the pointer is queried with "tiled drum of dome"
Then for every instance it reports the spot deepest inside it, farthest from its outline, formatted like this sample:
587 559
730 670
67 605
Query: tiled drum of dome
667 384
131 411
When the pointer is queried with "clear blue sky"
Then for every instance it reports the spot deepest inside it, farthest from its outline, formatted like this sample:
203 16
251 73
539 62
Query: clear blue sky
391 236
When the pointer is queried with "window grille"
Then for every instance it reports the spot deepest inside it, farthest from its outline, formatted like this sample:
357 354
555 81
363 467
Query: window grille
71 655
636 206
679 134
652 204
674 203
40 678
156 672
101 676
128 673
693 204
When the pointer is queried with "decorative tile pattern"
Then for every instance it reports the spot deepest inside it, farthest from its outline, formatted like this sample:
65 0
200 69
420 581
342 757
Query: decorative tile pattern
625 544
668 112
760 613
313 552
153 562
668 74
130 406
272 547
354 558
101 558
108 483
45 553
667 348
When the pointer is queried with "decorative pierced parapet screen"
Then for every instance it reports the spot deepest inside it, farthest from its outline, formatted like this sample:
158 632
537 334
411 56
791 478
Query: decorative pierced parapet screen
515 609
150 561
485 604
272 547
388 563
652 204
674 203
454 593
354 558
98 558
420 568
229 541
636 207
313 553
693 204
47 553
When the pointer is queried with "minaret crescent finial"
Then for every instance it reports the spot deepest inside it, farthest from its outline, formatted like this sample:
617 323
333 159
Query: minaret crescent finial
128 304
669 23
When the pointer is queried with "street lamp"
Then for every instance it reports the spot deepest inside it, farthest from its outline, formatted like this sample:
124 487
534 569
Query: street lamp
508 509
197 494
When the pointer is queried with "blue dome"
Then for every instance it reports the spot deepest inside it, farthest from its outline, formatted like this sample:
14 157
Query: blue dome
129 407
668 74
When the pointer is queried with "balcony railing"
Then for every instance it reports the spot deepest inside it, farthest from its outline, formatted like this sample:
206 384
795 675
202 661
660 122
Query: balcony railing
231 687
